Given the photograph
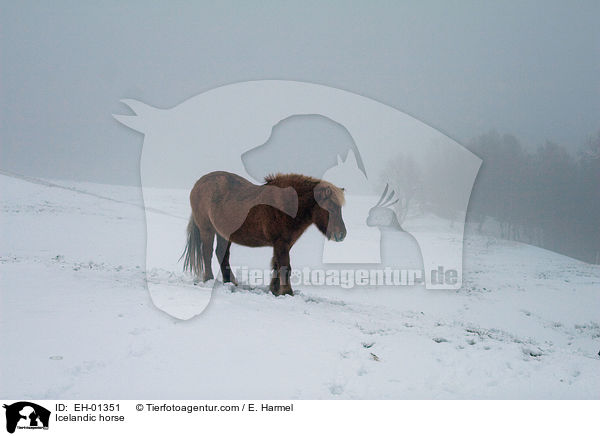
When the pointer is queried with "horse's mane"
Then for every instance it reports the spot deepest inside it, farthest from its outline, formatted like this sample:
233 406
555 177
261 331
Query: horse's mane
304 184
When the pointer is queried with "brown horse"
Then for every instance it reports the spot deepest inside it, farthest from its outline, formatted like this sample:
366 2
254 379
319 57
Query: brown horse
274 214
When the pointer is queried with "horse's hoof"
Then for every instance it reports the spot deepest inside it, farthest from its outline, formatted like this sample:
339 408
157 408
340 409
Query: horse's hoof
280 292
230 278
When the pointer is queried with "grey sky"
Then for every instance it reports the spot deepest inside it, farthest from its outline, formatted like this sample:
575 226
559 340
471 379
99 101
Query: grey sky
527 68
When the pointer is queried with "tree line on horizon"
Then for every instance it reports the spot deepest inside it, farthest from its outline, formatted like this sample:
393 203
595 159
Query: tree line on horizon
547 197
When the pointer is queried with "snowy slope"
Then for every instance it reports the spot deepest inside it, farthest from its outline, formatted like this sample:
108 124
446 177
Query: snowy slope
76 320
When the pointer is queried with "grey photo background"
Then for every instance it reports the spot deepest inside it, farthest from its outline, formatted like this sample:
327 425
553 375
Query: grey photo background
515 82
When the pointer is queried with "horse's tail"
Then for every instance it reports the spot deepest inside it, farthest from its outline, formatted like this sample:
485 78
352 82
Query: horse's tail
192 254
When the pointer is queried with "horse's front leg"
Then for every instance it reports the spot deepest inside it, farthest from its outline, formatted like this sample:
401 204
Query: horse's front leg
282 261
274 285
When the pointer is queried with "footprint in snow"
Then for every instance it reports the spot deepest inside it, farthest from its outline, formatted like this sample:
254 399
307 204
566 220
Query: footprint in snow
532 351
336 389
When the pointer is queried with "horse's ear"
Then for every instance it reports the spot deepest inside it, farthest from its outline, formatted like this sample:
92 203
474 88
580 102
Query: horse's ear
322 194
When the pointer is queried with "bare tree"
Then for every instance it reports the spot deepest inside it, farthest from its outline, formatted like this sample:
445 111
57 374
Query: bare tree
405 179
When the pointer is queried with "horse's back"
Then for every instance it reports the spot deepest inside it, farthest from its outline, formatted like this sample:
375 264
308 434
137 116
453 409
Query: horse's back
218 185
222 200
223 179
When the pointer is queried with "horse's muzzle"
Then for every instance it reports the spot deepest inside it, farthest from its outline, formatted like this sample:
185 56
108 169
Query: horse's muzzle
337 237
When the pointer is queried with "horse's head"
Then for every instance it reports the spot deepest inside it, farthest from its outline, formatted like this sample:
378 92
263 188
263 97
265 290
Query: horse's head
327 214
382 215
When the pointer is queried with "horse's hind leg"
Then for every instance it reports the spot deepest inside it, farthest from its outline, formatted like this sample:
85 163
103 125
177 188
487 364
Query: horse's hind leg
223 247
207 235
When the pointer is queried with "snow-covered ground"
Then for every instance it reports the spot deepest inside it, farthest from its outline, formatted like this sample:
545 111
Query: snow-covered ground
77 321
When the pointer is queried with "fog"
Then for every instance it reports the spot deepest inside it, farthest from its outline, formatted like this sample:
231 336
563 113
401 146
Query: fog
527 69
